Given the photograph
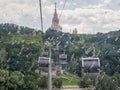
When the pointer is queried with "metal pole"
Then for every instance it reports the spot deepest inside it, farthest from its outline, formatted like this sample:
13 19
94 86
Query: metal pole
94 51
40 4
49 71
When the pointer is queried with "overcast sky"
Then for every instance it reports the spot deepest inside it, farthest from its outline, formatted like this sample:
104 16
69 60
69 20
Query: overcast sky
88 16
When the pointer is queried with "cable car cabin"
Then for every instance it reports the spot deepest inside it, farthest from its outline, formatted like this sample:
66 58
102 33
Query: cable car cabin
63 60
56 49
44 54
90 66
43 63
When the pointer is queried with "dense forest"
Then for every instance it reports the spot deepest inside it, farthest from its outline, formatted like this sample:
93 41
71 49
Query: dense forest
21 46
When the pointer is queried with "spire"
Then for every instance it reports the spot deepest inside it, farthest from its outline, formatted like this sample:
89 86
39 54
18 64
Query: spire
55 13
74 31
55 21
55 6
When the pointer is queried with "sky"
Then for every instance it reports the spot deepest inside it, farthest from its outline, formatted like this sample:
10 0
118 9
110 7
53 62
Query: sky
88 16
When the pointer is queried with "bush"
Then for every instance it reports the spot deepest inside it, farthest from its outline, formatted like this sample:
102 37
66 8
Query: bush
84 82
116 77
43 83
106 83
57 83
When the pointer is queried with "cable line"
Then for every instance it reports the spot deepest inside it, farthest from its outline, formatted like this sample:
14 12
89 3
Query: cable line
41 17
63 8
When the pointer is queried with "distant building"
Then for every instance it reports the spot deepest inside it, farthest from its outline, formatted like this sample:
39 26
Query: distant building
55 22
74 31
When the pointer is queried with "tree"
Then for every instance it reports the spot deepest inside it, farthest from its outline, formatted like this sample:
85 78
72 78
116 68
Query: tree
43 82
84 82
79 68
31 82
23 53
4 77
106 83
57 83
16 80
11 80
116 77
111 63
3 58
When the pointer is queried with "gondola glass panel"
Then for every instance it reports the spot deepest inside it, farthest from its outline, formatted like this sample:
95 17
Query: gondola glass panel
90 66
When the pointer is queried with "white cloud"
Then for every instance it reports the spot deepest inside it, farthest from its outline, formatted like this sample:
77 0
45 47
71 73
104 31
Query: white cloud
93 18
87 17
61 3
104 3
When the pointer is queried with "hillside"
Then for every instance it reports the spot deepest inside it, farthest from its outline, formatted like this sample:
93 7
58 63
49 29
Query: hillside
21 47
19 52
107 48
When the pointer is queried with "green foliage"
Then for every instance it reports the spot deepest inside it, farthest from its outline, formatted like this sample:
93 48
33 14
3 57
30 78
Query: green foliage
106 83
107 45
43 82
57 83
4 74
84 82
3 58
23 52
7 28
20 49
69 79
31 82
11 80
85 37
63 38
111 63
79 68
116 77
77 49
16 80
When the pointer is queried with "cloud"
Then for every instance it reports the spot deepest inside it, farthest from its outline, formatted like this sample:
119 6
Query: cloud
61 3
95 20
18 11
88 16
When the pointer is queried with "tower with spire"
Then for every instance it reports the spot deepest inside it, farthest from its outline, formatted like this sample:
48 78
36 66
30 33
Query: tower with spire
75 31
55 21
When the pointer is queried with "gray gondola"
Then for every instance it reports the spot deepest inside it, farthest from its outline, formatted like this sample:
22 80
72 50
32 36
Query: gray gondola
43 61
43 66
90 66
44 54
63 60
56 49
